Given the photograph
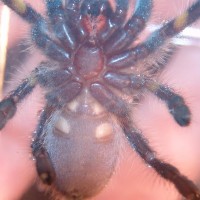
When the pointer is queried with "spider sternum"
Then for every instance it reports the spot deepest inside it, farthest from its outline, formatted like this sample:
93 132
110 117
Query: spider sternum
89 60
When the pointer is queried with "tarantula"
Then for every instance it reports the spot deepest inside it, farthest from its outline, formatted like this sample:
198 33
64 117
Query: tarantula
90 77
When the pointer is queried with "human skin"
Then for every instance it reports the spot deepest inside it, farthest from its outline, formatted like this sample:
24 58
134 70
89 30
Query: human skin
132 179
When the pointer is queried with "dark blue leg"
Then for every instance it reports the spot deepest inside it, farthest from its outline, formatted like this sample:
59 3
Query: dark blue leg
156 39
8 106
140 144
25 11
63 32
50 48
45 77
43 163
56 99
73 5
74 17
40 34
123 37
95 8
175 103
115 20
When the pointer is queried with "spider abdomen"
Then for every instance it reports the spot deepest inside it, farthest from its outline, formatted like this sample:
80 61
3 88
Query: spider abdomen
83 150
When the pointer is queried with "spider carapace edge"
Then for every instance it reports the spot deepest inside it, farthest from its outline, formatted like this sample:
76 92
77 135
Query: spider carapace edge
89 76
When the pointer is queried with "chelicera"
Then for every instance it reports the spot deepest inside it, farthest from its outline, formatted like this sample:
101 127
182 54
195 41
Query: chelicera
89 77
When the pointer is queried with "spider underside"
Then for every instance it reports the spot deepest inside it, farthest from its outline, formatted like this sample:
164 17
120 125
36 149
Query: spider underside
90 71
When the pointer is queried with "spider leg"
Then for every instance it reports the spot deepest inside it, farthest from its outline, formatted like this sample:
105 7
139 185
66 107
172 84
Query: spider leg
117 107
24 10
58 83
44 166
55 12
125 35
156 39
8 105
73 4
176 105
56 99
40 33
115 20
52 49
95 8
60 90
185 186
72 11
42 75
